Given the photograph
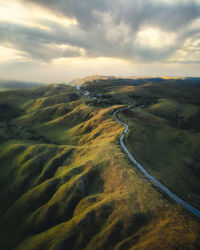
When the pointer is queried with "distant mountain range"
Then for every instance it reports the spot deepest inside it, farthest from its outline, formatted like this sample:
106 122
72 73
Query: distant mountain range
12 84
80 81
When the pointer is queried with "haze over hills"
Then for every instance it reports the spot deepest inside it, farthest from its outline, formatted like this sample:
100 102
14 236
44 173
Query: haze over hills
66 182
11 84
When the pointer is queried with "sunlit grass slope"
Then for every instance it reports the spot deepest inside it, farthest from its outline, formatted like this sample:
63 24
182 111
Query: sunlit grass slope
65 182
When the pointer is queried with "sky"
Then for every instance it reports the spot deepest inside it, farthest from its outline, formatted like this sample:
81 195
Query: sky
60 40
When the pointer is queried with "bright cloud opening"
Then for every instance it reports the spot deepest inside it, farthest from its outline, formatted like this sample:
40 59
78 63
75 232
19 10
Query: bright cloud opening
155 38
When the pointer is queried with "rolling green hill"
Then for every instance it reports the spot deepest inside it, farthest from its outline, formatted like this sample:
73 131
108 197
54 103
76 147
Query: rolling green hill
65 182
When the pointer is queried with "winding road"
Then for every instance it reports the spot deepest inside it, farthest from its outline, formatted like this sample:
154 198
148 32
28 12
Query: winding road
190 208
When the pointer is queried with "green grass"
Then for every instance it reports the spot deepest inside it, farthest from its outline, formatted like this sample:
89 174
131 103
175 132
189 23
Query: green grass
3 89
162 150
66 183
168 106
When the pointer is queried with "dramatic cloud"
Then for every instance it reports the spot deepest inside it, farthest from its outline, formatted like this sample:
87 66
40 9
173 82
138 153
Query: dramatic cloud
137 31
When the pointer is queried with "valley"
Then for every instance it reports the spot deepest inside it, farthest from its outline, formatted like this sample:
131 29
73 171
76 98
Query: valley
66 182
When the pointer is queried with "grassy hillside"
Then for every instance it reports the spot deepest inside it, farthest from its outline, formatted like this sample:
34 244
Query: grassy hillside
65 182
80 81
164 132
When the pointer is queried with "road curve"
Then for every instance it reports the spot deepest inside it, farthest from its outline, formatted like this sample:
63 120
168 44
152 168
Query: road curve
190 208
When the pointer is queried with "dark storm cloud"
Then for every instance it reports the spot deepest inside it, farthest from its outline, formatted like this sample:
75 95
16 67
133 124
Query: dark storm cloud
135 12
105 28
166 16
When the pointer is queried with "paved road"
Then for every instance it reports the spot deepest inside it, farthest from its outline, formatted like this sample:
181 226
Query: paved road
154 180
85 93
